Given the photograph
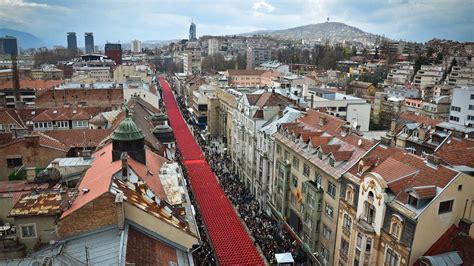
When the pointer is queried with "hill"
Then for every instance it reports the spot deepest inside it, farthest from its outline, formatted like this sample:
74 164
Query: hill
25 40
333 31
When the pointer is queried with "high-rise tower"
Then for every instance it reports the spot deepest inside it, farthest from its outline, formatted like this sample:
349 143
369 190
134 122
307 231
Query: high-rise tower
89 40
192 32
71 41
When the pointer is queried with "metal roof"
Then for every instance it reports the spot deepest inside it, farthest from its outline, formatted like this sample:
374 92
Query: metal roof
127 130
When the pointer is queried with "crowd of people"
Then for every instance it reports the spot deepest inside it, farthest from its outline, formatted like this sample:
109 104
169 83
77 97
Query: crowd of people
266 232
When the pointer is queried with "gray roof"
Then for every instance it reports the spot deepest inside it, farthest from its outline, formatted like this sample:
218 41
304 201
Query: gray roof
103 248
448 258
289 115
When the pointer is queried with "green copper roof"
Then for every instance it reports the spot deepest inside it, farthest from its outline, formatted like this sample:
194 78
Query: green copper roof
127 130
159 117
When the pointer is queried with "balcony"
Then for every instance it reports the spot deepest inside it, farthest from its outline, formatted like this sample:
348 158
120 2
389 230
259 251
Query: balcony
365 227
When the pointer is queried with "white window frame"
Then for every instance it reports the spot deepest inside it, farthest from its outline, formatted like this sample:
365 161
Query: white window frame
28 225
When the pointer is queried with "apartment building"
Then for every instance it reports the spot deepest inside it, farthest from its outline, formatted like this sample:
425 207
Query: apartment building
265 155
462 106
400 74
251 114
395 205
244 78
257 56
461 75
428 75
311 155
192 61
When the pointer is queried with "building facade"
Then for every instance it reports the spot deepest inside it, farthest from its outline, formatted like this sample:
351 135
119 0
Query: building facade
89 42
71 41
257 56
114 52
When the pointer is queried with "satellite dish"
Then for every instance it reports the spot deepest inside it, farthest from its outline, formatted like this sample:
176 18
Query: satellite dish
354 125
359 142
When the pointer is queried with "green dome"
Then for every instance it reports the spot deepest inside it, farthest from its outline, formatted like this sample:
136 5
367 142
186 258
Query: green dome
159 117
127 130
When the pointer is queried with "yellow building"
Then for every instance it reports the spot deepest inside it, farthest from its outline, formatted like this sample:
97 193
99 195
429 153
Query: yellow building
395 205
311 156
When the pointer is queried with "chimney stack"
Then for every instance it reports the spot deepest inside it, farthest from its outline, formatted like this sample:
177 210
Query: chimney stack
322 121
120 210
124 158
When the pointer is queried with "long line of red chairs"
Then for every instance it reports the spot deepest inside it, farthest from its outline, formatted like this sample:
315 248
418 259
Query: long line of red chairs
228 236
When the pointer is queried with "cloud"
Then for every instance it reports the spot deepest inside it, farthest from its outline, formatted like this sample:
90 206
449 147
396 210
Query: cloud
263 6
20 3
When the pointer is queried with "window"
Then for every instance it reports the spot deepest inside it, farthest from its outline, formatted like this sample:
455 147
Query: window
396 227
79 124
62 124
294 180
278 149
455 108
368 244
28 231
331 189
470 117
391 258
471 107
369 213
472 96
331 161
320 154
415 134
412 201
325 255
359 240
318 180
306 170
445 206
454 118
14 162
349 195
329 210
287 154
344 247
347 222
296 163
326 232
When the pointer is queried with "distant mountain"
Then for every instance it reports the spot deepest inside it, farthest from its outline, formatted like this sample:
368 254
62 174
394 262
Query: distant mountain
25 40
333 31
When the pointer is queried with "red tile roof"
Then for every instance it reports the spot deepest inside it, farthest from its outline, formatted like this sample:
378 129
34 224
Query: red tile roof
59 114
427 192
99 176
419 119
43 203
391 170
33 84
332 125
75 138
245 72
9 116
454 240
457 152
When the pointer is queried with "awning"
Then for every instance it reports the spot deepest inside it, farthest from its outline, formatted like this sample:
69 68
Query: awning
284 258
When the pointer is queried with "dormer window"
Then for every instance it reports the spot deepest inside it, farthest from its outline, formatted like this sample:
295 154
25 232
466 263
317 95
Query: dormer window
331 161
415 133
412 200
320 154
406 131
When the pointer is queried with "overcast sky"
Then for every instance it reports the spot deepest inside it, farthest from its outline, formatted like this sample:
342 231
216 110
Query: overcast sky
124 20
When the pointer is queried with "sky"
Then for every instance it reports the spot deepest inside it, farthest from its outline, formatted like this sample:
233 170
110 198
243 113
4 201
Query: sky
125 20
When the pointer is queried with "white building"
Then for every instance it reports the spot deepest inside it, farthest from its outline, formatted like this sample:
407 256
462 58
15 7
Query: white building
199 103
461 75
352 109
265 155
462 106
136 46
89 72
213 46
400 74
428 75
275 65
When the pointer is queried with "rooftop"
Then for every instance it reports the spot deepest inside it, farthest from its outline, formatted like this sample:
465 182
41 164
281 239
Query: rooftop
42 203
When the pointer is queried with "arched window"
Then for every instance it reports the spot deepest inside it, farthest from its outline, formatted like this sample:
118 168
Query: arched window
396 227
370 197
349 195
